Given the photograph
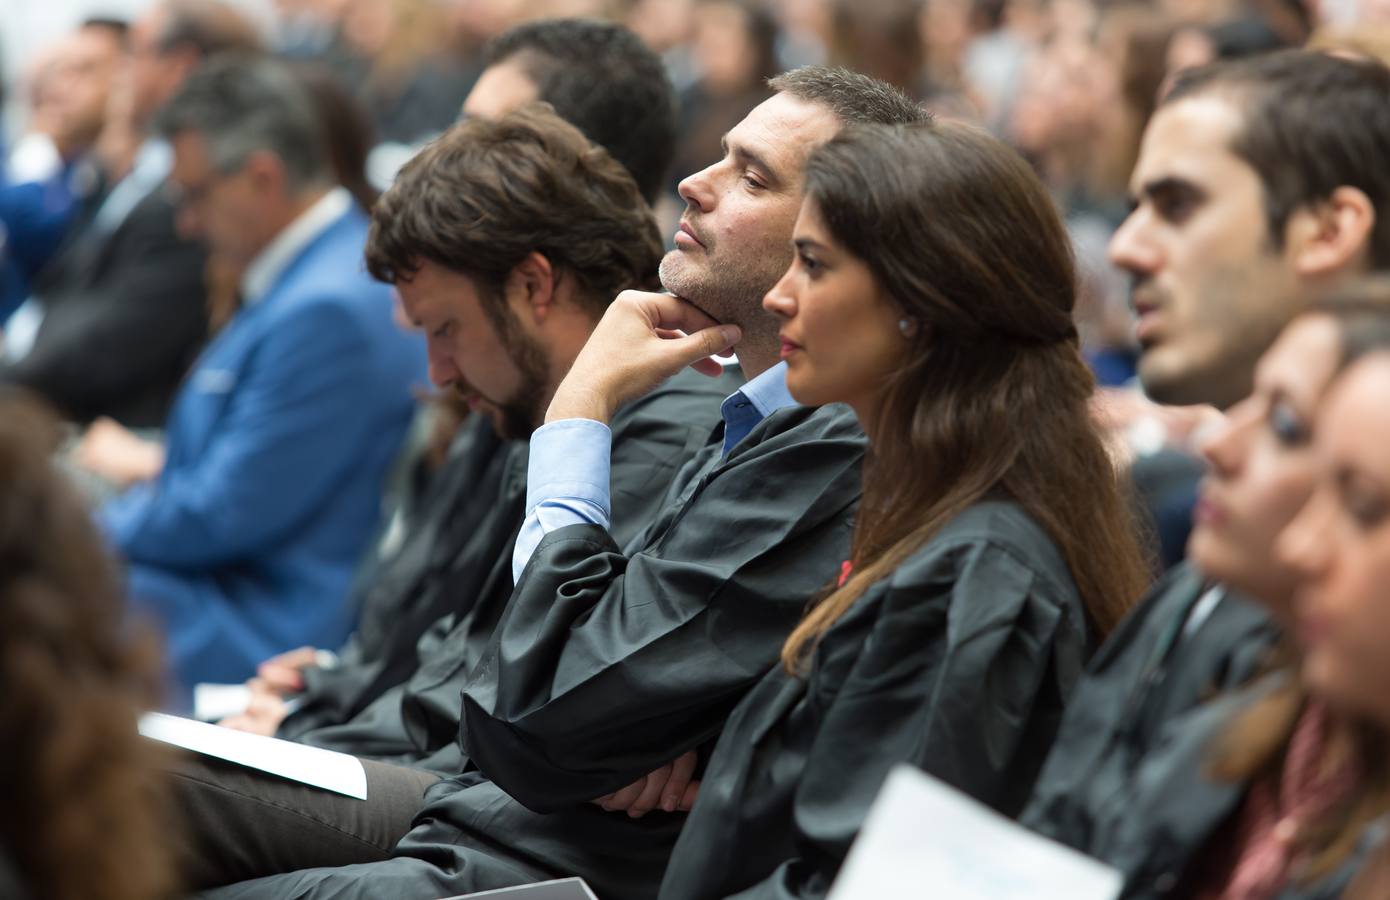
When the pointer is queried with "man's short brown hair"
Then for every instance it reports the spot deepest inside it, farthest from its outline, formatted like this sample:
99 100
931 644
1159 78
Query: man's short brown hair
487 193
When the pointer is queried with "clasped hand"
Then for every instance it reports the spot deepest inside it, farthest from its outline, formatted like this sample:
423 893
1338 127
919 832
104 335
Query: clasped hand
642 340
670 788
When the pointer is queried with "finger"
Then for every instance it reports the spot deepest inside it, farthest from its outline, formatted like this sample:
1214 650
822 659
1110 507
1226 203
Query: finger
297 658
602 801
622 799
692 793
669 312
708 366
281 679
651 794
682 770
700 345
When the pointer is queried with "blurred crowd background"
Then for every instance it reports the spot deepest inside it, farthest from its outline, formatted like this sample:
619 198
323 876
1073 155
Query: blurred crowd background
1071 83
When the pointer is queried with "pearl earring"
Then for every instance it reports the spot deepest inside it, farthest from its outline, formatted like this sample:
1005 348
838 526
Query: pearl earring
907 326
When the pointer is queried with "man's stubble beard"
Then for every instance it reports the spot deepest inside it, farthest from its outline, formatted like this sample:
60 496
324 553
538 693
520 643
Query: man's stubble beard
733 296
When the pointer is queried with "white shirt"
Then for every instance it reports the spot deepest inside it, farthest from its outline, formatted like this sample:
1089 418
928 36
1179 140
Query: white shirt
272 261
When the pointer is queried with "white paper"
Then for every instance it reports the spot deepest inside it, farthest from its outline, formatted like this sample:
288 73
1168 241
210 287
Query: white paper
924 839
563 889
214 702
327 769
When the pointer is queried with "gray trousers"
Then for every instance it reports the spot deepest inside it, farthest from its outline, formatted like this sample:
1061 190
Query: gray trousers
241 823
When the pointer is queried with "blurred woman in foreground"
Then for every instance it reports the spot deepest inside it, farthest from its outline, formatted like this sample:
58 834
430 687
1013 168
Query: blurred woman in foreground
82 814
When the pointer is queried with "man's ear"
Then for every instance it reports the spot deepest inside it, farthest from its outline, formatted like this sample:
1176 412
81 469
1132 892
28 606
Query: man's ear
531 285
267 172
1333 236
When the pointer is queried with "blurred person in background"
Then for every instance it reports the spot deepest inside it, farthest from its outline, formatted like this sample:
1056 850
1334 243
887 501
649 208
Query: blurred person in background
396 59
243 537
70 97
881 39
734 46
665 26
84 817
120 311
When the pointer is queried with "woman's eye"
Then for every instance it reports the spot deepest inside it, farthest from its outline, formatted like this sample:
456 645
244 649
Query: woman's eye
1288 427
810 264
1368 510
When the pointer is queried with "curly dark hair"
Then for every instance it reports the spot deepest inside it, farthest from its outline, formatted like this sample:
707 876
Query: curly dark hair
82 812
488 192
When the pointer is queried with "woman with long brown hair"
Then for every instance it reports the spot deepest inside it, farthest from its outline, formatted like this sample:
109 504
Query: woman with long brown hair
81 817
931 291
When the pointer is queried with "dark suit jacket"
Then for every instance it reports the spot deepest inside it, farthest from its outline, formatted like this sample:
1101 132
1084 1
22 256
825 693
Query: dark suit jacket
125 314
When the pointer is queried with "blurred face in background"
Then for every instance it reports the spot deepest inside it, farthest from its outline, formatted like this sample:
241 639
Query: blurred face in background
503 87
224 209
79 84
1209 287
1262 467
1339 546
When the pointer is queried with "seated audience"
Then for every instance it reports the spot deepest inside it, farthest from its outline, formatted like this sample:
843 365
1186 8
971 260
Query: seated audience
119 312
506 240
83 817
452 525
1257 188
932 292
1244 795
243 540
654 642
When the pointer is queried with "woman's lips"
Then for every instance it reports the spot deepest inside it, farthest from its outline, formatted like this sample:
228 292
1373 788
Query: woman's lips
788 348
1208 512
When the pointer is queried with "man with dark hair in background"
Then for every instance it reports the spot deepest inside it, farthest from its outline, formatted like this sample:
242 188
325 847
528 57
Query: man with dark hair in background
612 661
244 540
599 77
118 313
1260 185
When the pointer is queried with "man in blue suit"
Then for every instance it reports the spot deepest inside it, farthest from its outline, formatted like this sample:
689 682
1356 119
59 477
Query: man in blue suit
243 542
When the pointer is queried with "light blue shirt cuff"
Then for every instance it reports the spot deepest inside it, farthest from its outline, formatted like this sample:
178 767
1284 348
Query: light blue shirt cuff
566 483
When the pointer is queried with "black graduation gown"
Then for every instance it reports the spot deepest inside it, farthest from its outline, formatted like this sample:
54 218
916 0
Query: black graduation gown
1159 826
462 523
1145 674
959 663
608 665
416 721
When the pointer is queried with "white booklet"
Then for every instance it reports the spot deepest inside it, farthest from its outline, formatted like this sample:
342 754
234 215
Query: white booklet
563 889
925 839
327 769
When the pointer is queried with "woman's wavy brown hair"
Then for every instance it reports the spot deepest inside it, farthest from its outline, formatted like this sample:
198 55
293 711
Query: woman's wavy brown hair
993 399
81 816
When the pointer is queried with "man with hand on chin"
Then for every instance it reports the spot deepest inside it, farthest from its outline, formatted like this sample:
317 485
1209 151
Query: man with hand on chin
611 662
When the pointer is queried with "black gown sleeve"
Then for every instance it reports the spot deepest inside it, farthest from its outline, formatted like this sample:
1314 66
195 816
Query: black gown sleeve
607 666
